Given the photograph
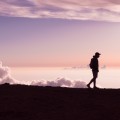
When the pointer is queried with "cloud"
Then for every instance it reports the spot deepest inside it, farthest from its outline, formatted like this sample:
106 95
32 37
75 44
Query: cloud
99 10
5 75
61 82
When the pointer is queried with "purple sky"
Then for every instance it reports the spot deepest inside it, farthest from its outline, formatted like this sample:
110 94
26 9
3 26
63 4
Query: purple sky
100 10
59 33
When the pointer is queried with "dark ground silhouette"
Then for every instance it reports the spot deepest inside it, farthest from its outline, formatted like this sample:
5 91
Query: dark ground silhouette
19 102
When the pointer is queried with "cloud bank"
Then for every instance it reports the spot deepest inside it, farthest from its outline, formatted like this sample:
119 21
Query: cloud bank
98 10
61 82
5 77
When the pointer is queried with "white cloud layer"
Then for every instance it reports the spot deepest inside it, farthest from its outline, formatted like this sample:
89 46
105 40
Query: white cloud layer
5 77
99 10
61 82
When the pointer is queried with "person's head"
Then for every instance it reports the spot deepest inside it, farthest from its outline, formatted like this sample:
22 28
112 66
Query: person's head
97 54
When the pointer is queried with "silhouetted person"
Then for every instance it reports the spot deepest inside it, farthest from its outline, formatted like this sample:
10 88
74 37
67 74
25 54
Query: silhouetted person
94 65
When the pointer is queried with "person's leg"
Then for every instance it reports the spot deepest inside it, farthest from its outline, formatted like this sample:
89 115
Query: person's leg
95 75
92 80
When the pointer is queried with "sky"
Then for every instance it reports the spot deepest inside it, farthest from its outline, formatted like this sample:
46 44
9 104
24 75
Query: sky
57 33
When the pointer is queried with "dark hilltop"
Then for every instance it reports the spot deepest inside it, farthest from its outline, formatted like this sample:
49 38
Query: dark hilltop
20 102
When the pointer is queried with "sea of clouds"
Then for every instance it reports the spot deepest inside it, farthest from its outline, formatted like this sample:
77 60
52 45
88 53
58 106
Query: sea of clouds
5 77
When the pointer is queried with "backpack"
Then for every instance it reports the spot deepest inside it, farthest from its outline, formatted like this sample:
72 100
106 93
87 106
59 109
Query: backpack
91 64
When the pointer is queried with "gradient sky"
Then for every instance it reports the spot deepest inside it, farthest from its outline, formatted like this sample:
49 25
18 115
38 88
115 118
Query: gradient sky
59 32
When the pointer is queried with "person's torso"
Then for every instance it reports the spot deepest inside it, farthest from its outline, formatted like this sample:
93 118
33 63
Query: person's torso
95 63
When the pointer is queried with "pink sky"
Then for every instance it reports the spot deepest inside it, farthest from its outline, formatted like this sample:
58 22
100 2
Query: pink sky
59 33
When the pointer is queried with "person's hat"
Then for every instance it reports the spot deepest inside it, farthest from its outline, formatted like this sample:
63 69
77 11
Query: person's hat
97 53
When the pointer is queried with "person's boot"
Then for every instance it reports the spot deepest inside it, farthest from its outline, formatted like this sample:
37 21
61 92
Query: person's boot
88 85
96 87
